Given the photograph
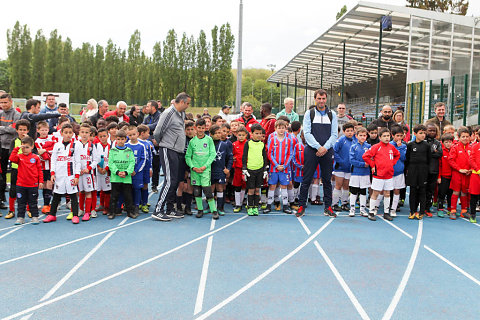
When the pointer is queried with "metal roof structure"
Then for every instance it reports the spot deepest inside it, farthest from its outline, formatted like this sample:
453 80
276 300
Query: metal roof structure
357 32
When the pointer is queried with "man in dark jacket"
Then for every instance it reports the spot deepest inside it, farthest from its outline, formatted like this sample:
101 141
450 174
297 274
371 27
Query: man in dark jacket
153 115
151 120
439 119
33 116
63 111
385 120
102 109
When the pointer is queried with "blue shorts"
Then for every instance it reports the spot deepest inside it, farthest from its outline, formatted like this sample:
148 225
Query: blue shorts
137 180
146 176
279 177
219 177
317 173
298 179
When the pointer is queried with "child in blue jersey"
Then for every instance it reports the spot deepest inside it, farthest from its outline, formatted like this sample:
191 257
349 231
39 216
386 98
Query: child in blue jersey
342 167
140 153
221 166
143 137
398 168
360 178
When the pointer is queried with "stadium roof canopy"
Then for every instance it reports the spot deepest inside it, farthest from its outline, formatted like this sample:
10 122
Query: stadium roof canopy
359 29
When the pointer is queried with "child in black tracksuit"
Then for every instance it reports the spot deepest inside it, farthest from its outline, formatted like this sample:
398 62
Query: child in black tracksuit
434 165
416 167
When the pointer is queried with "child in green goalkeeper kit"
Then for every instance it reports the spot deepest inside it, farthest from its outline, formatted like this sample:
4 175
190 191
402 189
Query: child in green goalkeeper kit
199 157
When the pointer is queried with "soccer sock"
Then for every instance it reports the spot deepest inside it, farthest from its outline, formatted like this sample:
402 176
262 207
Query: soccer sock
81 203
386 208
285 197
211 205
277 194
372 204
473 205
314 193
251 200
465 202
256 200
263 196
353 199
145 196
188 200
220 201
102 199
11 204
137 195
242 196
271 194
47 196
106 200
88 205
94 200
345 194
295 193
363 202
379 200
179 202
336 196
291 195
454 201
199 202
396 198
238 201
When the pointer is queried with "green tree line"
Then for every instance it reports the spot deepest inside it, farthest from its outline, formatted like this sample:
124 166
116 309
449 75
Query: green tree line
200 66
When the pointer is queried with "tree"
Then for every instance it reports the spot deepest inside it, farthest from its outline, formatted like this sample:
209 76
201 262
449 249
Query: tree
341 12
214 68
132 67
203 70
38 63
459 7
170 66
19 50
98 72
53 72
226 45
4 76
67 83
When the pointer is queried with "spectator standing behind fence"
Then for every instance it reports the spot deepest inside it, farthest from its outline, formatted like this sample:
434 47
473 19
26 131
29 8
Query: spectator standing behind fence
102 109
119 112
399 118
90 110
385 120
439 118
288 110
63 110
342 117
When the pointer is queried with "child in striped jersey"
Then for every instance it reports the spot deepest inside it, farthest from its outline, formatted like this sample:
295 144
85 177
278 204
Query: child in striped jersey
44 145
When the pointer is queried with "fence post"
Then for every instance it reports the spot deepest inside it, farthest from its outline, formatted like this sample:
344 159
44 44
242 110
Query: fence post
452 101
411 106
465 100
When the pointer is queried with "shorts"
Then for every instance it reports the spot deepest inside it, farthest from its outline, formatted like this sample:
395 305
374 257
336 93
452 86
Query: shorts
279 177
382 184
182 168
474 184
46 175
399 182
219 178
344 175
137 180
146 176
361 182
238 179
298 179
201 179
86 183
460 182
65 185
256 179
103 182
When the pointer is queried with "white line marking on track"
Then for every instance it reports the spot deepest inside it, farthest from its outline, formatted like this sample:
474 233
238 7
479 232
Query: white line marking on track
451 264
406 276
9 232
27 223
398 228
337 275
203 277
72 242
119 273
264 274
475 224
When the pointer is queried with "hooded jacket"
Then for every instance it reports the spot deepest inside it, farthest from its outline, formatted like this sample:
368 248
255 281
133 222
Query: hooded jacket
356 159
342 154
8 118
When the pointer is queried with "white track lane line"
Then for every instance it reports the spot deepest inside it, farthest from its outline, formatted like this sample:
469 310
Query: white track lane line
117 274
264 274
337 275
397 227
406 276
41 215
11 231
451 264
475 224
73 241
203 277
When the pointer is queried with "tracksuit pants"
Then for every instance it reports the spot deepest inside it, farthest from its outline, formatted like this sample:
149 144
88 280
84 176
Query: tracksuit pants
169 160
27 195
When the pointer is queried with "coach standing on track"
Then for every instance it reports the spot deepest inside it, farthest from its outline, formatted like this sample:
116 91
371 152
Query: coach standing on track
170 134
321 133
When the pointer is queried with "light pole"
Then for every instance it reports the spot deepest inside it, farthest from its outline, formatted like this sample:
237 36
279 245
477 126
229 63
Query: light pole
238 96
272 67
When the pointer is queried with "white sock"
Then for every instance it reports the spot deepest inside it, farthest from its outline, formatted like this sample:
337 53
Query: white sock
345 194
263 197
314 193
379 200
386 204
277 194
295 192
310 191
291 195
271 195
396 198
333 184
353 199
238 197
284 197
242 196
336 196
363 202
372 205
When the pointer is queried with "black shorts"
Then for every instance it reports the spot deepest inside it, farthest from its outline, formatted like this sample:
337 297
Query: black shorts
256 179
182 169
46 175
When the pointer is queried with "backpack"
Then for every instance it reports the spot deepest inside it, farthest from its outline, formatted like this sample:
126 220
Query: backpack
312 115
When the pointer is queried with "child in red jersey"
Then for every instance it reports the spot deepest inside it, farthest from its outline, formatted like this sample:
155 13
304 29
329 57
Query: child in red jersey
445 176
461 172
474 187
238 180
381 158
29 179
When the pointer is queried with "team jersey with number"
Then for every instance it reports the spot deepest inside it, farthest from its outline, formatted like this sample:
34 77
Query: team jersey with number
64 161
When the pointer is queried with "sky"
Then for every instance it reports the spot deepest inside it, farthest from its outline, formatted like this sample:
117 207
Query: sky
274 30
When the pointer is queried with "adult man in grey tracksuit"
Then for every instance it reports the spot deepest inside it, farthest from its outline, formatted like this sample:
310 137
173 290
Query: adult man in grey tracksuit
170 134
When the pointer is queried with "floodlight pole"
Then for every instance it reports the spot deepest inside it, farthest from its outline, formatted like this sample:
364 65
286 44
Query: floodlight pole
379 67
321 75
306 88
238 96
295 93
343 71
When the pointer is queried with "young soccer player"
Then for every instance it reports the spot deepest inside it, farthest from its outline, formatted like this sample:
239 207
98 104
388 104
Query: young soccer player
360 178
280 154
140 154
199 157
461 172
399 168
185 189
381 158
29 179
445 176
44 145
474 188
65 172
234 125
298 163
342 167
254 167
121 163
143 137
238 181
435 156
221 166
22 127
101 152
372 130
86 183
416 166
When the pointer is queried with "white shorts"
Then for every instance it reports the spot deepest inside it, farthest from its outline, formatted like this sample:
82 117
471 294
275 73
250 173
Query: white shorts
399 182
344 175
86 183
361 182
382 184
64 185
103 182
